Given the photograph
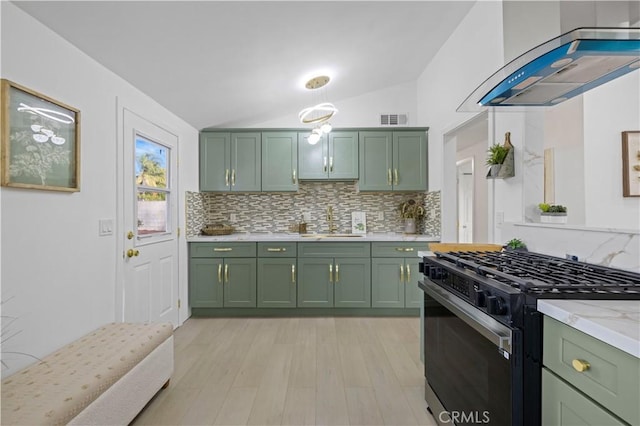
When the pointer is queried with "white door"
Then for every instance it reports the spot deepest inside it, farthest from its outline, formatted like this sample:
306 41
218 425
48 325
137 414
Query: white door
150 218
465 201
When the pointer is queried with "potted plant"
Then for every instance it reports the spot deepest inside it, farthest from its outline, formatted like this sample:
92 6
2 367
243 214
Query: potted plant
552 213
515 244
410 212
495 157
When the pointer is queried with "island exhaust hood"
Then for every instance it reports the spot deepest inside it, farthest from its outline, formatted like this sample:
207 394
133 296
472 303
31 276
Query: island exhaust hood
560 69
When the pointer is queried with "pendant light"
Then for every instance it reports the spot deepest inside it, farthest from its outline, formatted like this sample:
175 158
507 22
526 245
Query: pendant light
320 113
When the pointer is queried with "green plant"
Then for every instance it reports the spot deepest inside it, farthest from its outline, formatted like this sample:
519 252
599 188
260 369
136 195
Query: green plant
552 208
496 154
409 209
515 243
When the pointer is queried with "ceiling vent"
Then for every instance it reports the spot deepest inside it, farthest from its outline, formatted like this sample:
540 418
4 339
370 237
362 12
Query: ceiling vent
394 120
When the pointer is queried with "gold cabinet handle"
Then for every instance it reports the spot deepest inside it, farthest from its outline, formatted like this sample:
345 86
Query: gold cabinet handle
324 164
222 249
220 273
226 273
395 173
331 164
408 249
389 177
401 273
276 249
330 273
408 269
233 177
226 177
132 253
580 365
293 274
294 176
337 273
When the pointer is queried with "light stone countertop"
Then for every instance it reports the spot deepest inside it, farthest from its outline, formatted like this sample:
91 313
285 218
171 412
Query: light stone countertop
294 237
616 322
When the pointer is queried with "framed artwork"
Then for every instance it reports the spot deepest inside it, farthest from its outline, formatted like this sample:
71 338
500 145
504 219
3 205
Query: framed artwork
631 164
40 141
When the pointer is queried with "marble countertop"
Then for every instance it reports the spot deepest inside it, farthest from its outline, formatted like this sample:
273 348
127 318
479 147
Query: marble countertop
294 237
616 322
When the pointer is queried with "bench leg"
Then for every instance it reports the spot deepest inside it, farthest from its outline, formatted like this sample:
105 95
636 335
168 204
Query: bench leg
166 385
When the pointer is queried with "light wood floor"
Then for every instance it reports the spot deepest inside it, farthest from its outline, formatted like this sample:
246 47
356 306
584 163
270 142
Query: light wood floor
294 371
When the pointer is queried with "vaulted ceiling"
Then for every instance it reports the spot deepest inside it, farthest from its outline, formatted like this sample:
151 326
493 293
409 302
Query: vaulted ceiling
234 63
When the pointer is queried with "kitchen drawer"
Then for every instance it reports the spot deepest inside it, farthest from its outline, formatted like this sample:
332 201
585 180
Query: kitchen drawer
277 249
399 249
333 249
222 249
563 405
612 377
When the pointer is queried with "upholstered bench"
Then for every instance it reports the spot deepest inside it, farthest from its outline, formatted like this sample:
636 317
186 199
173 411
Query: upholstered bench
105 377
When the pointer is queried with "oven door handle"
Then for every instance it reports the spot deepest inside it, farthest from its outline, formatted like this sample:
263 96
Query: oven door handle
489 328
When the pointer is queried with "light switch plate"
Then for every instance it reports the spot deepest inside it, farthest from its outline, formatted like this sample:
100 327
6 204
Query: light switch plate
499 218
380 215
105 227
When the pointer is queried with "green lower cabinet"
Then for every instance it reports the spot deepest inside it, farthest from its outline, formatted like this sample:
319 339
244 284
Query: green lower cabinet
218 282
563 405
206 282
394 283
334 282
277 282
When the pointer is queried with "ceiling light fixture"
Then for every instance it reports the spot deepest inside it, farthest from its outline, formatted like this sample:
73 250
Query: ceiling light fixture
320 113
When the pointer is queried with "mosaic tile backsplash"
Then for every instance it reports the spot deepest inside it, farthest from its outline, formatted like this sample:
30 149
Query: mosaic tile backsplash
276 212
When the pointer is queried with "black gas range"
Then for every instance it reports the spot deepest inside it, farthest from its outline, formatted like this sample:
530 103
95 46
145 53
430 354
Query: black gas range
481 310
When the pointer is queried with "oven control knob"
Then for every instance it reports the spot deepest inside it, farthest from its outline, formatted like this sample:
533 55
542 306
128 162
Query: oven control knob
495 305
479 298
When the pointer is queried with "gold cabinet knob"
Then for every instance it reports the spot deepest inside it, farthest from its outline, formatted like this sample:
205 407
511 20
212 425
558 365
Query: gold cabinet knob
580 365
132 253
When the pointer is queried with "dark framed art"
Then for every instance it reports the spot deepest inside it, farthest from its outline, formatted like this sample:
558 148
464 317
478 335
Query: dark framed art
631 164
40 141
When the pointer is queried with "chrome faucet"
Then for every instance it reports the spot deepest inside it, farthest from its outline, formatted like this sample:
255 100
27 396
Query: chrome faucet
332 226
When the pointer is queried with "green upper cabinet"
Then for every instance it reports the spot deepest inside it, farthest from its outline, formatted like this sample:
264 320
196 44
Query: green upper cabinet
279 161
393 161
230 161
334 157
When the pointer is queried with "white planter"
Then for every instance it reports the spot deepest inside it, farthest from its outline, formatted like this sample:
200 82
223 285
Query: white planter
557 218
409 226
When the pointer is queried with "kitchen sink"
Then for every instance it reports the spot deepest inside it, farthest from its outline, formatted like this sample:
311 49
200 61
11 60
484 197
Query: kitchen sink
332 235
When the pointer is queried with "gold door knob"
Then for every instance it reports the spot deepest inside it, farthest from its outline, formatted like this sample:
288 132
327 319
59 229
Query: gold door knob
132 253
580 365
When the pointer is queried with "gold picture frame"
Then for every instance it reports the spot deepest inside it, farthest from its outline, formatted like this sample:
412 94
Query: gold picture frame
40 141
631 164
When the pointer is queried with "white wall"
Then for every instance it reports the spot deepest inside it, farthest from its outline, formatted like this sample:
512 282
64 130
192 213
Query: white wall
361 111
58 275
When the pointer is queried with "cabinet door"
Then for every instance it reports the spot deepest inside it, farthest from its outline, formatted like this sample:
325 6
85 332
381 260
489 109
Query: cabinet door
343 155
375 153
387 285
313 160
246 162
410 161
413 295
279 161
205 282
215 167
352 283
277 283
563 405
239 283
314 287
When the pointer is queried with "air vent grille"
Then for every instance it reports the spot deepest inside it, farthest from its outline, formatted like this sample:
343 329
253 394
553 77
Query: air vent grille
394 119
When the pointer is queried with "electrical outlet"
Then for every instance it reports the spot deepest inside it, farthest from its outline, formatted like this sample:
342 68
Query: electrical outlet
571 257
232 217
499 218
306 216
380 215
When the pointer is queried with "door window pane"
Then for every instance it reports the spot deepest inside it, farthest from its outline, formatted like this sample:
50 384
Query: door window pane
151 164
153 192
152 212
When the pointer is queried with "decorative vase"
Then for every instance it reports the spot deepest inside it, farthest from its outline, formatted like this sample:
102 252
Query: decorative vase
409 226
557 218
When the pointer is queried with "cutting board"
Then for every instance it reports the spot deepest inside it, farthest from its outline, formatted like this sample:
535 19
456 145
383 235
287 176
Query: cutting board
444 247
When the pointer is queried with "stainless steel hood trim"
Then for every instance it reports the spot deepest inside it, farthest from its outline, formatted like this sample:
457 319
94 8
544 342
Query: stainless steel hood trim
489 328
539 64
